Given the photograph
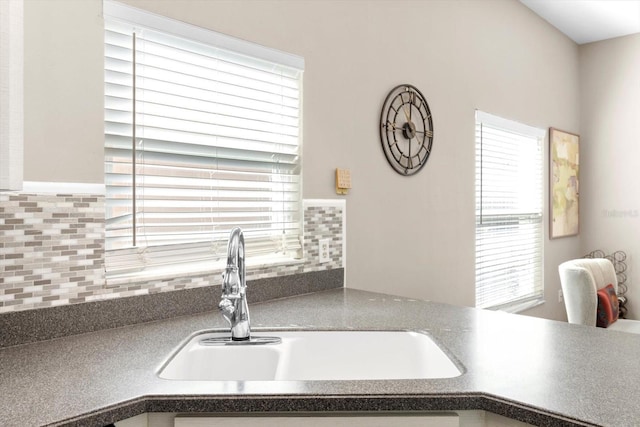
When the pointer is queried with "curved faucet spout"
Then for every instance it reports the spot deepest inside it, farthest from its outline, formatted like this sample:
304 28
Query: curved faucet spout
235 252
233 303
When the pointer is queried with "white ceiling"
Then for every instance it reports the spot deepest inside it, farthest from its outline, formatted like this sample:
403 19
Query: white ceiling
586 21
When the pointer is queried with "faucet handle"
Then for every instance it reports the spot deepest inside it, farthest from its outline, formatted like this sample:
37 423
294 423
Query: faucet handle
226 307
231 283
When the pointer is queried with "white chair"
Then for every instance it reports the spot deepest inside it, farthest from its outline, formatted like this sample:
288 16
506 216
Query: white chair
580 280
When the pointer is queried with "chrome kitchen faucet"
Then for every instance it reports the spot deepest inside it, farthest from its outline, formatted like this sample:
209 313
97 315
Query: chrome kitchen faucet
233 304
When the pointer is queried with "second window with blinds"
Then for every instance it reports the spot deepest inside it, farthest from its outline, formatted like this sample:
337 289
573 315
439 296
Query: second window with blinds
202 134
509 219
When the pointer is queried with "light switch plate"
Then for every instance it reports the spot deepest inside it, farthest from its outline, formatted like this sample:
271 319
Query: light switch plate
343 181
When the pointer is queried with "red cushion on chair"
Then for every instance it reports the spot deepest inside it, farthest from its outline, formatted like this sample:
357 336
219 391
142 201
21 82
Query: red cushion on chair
607 306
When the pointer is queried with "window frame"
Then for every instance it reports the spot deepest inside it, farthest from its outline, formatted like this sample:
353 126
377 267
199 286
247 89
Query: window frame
142 260
525 296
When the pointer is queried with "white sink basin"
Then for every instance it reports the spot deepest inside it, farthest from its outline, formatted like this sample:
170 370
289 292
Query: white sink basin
313 355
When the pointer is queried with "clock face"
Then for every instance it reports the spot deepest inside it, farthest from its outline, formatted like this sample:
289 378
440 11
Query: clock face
406 129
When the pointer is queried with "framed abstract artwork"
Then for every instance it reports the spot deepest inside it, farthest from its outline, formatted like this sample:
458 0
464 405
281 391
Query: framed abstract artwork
564 167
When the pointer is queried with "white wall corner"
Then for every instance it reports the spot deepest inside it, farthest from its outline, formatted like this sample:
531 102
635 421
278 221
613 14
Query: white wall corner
37 187
11 94
338 203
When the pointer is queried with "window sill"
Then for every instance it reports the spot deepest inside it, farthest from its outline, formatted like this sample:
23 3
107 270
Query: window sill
198 269
520 307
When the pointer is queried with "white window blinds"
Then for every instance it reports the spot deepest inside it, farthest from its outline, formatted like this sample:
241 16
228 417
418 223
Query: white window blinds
198 139
509 203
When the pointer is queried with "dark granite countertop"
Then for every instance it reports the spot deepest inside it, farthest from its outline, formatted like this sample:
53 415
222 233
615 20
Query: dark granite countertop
538 371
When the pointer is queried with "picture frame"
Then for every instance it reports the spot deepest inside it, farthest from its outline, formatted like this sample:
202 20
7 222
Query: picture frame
564 184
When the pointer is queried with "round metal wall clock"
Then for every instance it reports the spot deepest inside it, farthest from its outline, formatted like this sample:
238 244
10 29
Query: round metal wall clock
406 129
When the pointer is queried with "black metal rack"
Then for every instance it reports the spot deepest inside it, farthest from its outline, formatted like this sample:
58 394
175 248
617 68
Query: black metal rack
618 259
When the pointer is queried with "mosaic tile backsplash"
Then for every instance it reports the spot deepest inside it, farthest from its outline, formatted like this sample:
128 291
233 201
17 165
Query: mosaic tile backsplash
52 252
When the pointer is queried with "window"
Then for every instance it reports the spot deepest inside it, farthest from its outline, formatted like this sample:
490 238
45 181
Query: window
509 228
202 134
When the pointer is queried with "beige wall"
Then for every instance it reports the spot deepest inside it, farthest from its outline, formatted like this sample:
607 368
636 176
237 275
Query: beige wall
610 152
64 79
407 236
